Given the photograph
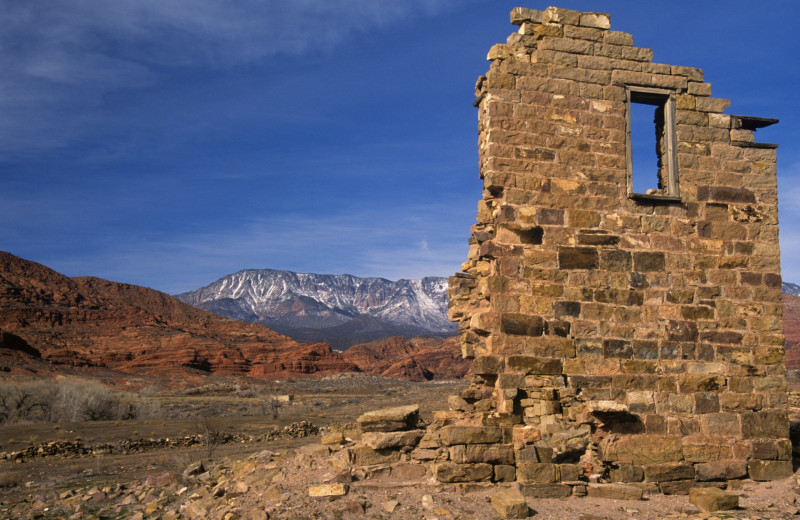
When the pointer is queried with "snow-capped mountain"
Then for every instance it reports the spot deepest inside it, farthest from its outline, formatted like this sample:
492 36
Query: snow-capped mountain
339 309
791 288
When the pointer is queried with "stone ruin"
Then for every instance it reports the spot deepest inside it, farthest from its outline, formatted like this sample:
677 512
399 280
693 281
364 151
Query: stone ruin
620 335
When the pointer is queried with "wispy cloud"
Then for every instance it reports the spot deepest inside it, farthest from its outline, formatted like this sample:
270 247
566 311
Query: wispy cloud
59 61
362 243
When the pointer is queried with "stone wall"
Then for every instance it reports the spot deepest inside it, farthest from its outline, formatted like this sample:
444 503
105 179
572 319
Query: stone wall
616 337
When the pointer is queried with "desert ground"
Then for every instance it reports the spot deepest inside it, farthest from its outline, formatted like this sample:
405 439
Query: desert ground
223 450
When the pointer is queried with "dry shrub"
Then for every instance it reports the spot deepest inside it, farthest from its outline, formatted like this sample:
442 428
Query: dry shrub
68 400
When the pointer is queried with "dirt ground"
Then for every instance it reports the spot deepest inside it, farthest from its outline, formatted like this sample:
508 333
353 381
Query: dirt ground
272 478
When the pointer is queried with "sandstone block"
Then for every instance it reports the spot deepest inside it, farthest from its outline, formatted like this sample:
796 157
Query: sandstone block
492 453
562 16
524 435
766 423
390 419
384 440
614 491
451 435
328 490
364 456
450 472
522 324
596 20
682 487
721 470
642 449
665 472
510 504
409 472
537 472
627 473
534 365
711 499
504 473
578 258
520 15
487 365
545 490
424 454
764 470
569 472
333 438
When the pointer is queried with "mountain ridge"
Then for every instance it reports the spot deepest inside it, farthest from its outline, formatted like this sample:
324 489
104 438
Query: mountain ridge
95 323
341 310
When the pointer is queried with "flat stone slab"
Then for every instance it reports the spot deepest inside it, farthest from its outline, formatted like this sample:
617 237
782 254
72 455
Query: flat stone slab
615 491
710 499
328 490
383 440
398 418
510 504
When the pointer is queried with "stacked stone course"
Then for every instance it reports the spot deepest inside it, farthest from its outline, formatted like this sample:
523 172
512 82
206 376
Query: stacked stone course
616 337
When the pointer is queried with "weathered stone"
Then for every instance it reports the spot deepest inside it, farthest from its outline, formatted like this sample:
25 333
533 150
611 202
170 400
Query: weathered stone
545 490
390 419
721 470
769 469
333 438
711 499
451 472
328 490
615 491
383 440
522 324
504 473
492 453
537 472
642 449
627 473
578 258
664 472
409 472
510 504
451 435
365 456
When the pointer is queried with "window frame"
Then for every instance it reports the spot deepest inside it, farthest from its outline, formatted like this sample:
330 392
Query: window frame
656 97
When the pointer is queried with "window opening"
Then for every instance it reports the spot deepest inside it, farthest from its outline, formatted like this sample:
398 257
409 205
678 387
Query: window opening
652 171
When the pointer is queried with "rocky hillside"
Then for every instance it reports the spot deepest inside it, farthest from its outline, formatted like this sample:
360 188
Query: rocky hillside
416 359
47 319
339 309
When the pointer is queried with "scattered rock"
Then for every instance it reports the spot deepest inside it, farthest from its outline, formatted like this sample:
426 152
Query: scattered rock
194 468
390 419
336 489
710 499
510 504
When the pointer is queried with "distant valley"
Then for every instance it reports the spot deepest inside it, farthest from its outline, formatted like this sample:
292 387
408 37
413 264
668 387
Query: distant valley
341 310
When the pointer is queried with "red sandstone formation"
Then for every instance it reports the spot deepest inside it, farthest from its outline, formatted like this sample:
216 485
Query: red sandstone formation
417 359
96 323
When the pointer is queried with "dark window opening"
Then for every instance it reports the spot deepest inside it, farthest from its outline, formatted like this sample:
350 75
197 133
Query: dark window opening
652 168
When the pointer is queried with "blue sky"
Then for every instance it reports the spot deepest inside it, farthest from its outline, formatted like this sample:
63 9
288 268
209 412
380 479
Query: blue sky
168 143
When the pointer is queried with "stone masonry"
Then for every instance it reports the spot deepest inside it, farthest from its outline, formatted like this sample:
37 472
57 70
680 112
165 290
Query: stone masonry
618 337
